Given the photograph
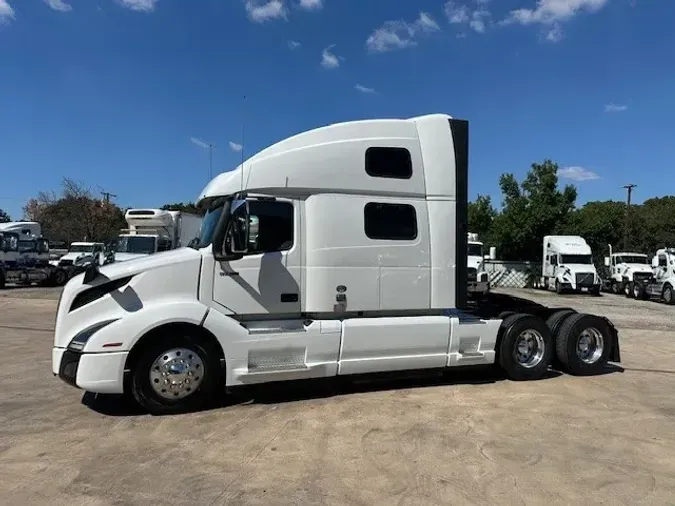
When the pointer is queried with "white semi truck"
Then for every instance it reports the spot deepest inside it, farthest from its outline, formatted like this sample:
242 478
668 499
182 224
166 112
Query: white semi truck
326 254
82 254
477 277
626 268
567 265
661 284
154 230
24 256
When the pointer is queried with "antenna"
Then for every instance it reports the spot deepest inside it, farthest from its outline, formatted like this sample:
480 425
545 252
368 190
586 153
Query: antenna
243 125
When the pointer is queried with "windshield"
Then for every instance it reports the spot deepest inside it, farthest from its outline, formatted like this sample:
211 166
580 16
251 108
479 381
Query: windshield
135 244
632 259
576 259
475 250
210 221
81 248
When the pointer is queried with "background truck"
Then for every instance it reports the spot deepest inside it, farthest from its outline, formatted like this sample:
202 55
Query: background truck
624 268
154 230
340 251
661 285
24 256
82 254
477 278
567 265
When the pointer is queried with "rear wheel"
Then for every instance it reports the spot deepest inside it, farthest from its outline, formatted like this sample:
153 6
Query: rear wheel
615 287
556 319
628 290
639 291
60 277
526 347
583 344
175 374
668 295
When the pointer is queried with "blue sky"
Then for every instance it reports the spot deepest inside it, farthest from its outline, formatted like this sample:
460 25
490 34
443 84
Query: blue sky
123 94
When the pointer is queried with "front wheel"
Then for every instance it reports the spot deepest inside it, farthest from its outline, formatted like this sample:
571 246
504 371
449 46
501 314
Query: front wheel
60 277
628 289
668 295
526 347
175 375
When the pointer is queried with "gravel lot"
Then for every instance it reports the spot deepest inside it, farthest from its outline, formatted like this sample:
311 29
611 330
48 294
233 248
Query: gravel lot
465 438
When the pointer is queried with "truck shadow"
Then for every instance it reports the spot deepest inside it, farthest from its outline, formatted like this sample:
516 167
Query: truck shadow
303 390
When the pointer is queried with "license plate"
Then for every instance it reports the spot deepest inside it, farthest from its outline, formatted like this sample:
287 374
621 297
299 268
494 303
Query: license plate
584 289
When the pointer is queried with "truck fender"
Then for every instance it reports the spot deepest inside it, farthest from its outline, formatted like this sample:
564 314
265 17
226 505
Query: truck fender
129 330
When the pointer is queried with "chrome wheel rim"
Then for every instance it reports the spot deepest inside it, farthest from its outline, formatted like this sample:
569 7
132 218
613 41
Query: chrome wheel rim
590 345
176 373
529 348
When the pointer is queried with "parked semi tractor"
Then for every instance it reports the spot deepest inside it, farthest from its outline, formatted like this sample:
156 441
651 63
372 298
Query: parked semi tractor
661 284
326 254
567 265
82 254
154 230
477 277
24 256
626 268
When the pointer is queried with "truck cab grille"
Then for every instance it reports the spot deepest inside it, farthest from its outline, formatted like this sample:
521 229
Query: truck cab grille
585 279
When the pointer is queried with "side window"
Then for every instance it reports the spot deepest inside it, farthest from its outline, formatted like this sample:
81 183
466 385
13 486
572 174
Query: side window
271 226
663 262
554 259
393 222
163 244
393 163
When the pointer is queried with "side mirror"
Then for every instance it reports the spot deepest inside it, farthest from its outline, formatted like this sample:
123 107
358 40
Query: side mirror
193 243
606 261
237 239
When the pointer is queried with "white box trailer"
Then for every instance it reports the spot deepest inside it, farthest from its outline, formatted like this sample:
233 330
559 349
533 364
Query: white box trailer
567 265
154 230
332 259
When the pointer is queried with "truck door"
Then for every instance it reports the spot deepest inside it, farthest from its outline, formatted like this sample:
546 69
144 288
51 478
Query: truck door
267 279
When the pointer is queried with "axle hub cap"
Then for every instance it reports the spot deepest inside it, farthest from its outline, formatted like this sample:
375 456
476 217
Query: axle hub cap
176 373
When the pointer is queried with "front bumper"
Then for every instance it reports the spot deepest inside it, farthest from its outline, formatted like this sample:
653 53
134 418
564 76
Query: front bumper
94 372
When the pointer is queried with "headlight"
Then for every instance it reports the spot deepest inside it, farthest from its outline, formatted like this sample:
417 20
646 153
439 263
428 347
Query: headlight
80 340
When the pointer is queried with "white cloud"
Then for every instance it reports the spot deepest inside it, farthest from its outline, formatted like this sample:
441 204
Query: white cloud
199 142
577 174
260 11
400 34
293 44
364 89
58 5
328 59
236 147
615 107
311 4
477 17
139 5
6 11
552 13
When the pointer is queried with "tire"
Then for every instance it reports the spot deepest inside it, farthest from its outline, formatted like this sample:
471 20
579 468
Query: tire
558 288
595 291
60 277
2 280
639 292
556 319
630 291
515 364
505 314
615 288
668 295
586 360
203 368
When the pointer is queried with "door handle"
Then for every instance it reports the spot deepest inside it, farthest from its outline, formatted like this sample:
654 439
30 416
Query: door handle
231 273
289 297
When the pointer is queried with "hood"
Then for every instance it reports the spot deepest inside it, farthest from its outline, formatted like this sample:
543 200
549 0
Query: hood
635 267
75 255
143 263
124 257
474 261
580 268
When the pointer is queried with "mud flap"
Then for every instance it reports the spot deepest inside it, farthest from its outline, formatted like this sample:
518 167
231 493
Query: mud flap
615 354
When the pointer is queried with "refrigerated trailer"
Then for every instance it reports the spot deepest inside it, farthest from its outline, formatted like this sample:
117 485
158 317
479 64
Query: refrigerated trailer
336 252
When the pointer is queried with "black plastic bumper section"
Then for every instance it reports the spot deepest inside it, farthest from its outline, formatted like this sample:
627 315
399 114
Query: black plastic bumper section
70 361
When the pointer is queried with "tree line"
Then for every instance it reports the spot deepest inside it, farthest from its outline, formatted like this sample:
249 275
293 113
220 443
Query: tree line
539 206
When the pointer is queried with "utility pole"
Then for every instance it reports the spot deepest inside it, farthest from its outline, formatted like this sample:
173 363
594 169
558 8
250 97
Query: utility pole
107 195
629 188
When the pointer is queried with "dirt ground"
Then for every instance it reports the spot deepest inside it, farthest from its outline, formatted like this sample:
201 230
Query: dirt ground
469 437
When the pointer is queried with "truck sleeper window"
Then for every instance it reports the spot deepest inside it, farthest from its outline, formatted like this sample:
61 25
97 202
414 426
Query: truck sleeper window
274 226
394 222
394 163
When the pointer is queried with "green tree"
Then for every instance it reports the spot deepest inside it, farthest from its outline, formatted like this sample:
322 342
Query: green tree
74 214
4 217
655 221
481 214
531 209
188 207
